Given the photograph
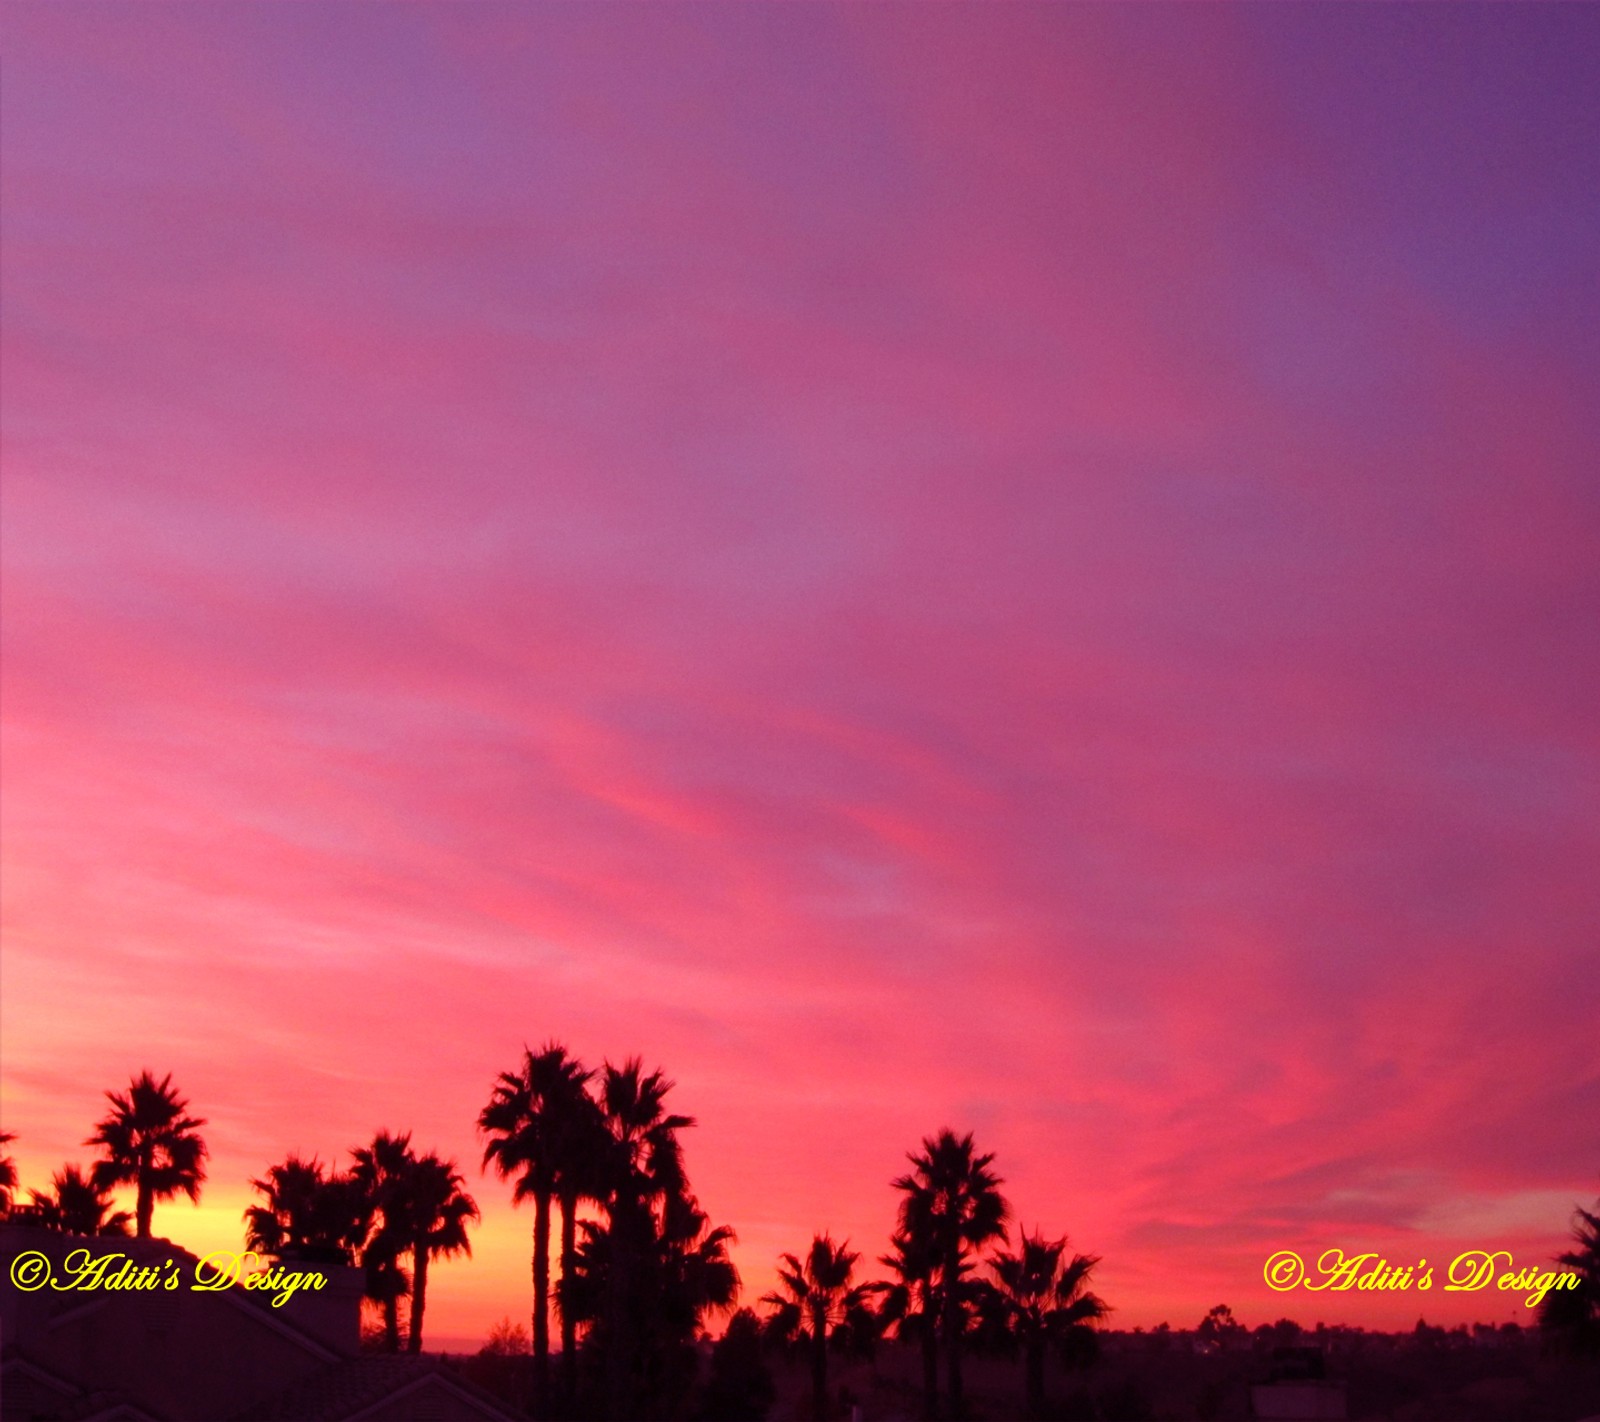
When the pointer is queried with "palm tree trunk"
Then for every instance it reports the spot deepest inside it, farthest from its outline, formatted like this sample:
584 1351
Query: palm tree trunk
930 1369
1035 1364
541 1303
569 1324
819 1369
620 1344
391 1322
419 1295
146 1206
952 1331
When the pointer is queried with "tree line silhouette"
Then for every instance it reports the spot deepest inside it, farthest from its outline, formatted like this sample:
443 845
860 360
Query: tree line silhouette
390 1207
641 1266
639 1280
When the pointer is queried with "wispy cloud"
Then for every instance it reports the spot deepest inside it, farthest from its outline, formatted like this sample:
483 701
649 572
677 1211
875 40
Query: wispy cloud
1000 567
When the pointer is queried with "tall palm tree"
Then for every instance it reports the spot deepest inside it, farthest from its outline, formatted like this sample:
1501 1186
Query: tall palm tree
150 1142
8 1172
582 1146
645 1156
545 1130
307 1213
953 1203
819 1302
379 1171
433 1209
642 1164
910 1302
1045 1299
76 1205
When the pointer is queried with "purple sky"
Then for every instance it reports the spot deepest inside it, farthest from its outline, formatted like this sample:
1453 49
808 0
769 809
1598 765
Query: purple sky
1028 568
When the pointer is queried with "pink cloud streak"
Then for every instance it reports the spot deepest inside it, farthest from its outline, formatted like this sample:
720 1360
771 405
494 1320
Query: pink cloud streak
1014 599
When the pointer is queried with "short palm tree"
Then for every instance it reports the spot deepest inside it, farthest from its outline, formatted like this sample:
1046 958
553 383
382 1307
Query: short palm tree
8 1172
818 1304
1570 1318
910 1303
739 1387
150 1142
379 1171
307 1213
953 1206
76 1205
545 1130
433 1210
679 1271
697 1273
1044 1298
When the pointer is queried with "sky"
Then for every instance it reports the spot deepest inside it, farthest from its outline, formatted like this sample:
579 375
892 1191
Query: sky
1029 569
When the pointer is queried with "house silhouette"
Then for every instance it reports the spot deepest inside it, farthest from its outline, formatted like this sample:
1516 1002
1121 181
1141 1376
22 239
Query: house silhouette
182 1355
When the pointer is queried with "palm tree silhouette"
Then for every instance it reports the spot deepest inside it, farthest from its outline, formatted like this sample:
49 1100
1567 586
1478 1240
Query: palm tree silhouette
8 1172
546 1131
150 1142
679 1270
1044 1298
739 1387
432 1209
379 1171
645 1155
953 1204
581 1148
818 1303
642 1163
910 1301
1570 1318
697 1274
307 1214
76 1205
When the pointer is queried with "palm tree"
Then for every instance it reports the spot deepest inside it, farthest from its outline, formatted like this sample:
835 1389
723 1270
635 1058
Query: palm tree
645 1157
308 1214
379 1171
953 1203
1570 1318
819 1303
8 1172
642 1164
581 1146
433 1210
740 1387
1044 1298
642 1277
150 1142
677 1272
698 1276
911 1304
545 1130
76 1205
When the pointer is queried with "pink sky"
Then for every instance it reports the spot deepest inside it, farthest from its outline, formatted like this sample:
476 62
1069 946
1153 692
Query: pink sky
1035 570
